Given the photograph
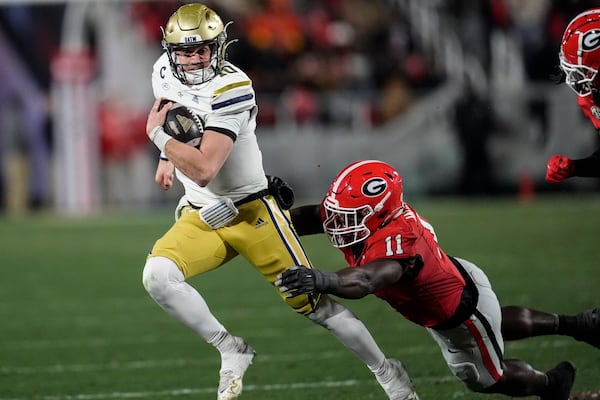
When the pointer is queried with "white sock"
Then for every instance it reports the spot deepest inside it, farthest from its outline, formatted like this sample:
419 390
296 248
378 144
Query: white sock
225 342
166 284
350 331
385 366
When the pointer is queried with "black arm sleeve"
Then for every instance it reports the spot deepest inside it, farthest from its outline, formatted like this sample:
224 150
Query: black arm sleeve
307 219
588 167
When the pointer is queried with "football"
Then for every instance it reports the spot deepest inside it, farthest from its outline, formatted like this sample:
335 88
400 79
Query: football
182 124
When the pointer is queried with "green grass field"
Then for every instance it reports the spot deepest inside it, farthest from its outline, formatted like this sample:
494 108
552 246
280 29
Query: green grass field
76 323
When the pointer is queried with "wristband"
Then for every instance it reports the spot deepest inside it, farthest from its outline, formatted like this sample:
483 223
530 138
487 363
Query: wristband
325 281
159 137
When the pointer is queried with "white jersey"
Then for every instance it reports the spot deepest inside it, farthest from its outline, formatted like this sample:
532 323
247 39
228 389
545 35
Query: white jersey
225 104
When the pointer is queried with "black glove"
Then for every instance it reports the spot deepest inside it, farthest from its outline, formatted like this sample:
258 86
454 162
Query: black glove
281 191
299 280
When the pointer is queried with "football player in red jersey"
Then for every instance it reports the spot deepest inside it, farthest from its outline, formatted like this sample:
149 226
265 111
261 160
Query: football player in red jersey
579 62
393 253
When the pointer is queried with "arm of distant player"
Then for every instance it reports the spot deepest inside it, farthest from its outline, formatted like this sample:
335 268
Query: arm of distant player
349 283
307 219
588 167
562 167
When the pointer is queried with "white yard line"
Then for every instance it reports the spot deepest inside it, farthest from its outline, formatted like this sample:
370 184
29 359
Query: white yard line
273 358
187 391
198 391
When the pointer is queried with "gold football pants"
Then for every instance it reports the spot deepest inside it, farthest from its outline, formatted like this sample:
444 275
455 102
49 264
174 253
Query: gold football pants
262 233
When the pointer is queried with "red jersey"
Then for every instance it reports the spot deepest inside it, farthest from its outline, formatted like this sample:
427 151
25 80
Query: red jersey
590 109
432 296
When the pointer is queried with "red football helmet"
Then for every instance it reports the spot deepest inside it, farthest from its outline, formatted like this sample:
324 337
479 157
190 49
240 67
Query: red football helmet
362 197
580 52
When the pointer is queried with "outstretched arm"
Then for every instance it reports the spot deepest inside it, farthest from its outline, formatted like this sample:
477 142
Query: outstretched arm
588 167
562 167
349 283
307 219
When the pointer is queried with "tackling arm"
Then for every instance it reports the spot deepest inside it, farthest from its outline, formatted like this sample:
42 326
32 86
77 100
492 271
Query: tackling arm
355 283
349 283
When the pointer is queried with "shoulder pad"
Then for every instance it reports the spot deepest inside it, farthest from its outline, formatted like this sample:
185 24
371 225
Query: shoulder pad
232 92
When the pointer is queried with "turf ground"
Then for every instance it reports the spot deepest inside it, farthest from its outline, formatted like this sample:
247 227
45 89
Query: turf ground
76 323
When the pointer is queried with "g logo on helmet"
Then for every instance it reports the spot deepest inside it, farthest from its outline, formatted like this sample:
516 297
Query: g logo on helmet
374 187
590 40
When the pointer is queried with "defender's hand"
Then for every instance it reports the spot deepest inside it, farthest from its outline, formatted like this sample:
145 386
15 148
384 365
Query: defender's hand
559 168
299 280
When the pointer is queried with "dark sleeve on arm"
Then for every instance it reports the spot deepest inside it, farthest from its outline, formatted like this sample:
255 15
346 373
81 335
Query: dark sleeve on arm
307 219
224 131
588 167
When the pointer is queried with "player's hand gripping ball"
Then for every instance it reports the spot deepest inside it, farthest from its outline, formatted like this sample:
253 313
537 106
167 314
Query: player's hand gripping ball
182 124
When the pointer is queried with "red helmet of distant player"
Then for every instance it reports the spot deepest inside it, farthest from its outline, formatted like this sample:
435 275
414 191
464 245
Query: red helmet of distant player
580 52
364 196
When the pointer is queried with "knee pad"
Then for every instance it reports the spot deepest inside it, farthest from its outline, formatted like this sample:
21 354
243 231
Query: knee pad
469 375
159 275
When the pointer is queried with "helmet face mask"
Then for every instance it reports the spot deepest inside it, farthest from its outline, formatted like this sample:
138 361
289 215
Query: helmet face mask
580 53
363 197
579 78
346 226
193 73
190 28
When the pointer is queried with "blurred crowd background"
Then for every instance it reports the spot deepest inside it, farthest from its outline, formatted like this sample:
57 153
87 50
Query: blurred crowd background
458 94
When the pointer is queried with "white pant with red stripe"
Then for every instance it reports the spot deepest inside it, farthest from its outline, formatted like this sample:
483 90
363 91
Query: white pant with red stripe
474 349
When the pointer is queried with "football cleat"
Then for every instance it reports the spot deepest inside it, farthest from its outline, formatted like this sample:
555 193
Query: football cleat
588 327
233 366
560 381
396 382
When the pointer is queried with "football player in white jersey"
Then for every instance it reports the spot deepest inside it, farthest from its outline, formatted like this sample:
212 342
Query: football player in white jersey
227 210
